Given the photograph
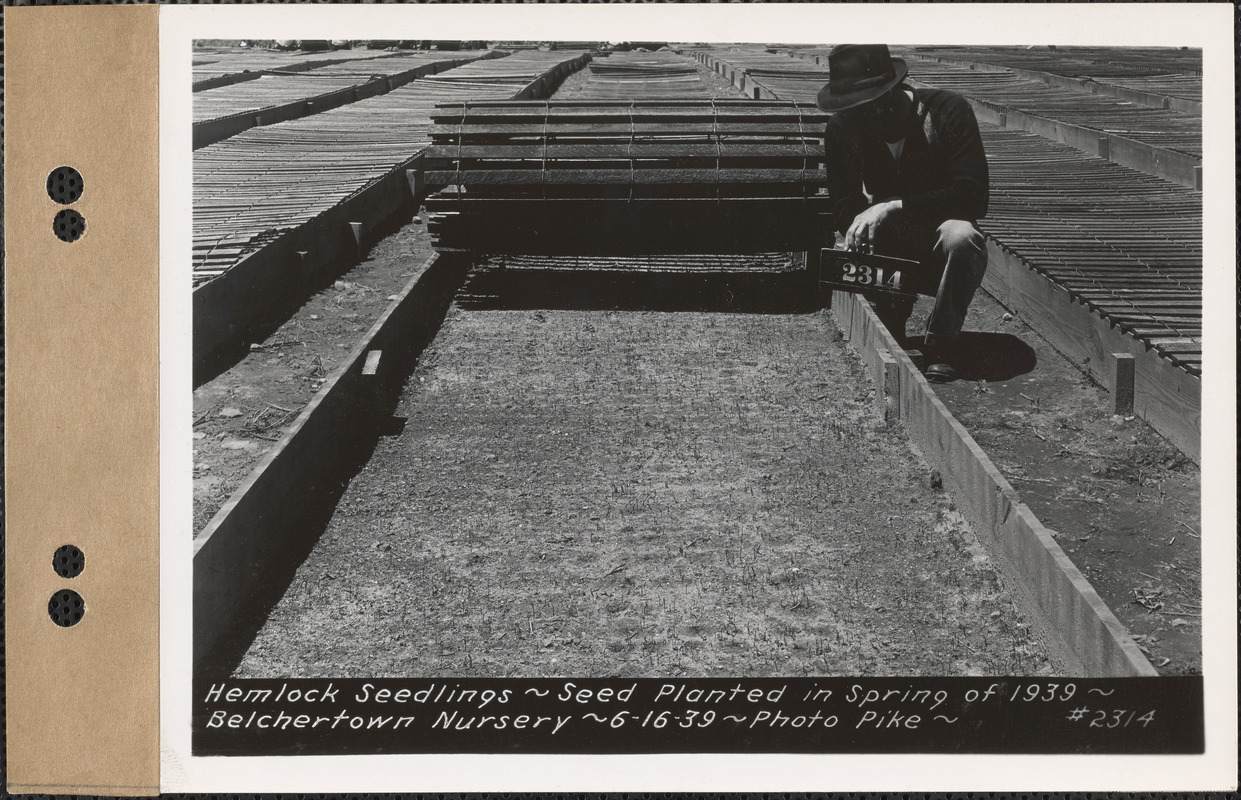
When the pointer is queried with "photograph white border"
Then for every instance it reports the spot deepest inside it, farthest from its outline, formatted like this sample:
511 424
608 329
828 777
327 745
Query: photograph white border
1206 26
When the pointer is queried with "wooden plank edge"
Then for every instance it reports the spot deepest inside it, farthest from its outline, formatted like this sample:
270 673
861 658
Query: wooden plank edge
1165 395
1075 623
1098 86
212 131
284 269
1173 166
230 78
255 527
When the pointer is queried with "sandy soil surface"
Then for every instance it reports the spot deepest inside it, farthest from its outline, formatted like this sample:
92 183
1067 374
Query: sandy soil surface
240 414
1123 503
643 493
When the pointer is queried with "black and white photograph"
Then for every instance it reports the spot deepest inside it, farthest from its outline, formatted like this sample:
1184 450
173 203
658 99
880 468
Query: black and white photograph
839 392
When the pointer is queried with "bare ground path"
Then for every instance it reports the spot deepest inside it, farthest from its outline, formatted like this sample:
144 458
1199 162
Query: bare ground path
638 493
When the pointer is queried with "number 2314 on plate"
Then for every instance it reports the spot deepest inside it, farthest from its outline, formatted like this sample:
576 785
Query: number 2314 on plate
867 274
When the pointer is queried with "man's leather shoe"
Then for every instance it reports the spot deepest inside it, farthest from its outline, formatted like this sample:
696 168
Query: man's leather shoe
941 373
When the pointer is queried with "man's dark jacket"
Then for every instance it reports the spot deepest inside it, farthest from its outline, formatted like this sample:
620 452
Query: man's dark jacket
942 173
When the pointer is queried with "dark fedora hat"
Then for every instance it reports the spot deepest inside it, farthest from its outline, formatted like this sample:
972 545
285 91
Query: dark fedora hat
857 74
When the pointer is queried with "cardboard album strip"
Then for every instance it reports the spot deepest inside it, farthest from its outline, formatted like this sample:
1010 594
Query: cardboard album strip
82 407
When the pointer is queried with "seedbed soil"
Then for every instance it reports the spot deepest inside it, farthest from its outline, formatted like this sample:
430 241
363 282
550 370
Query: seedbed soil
240 414
1122 502
641 493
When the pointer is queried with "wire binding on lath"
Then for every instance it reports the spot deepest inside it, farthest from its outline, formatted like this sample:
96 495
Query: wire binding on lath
547 111
465 111
633 133
715 128
805 152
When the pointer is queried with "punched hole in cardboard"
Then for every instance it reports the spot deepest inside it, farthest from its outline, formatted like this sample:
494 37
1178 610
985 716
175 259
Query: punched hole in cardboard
66 608
68 561
65 185
69 225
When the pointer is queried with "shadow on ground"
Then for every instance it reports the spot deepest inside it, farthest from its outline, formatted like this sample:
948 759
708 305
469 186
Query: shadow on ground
281 309
986 356
358 419
781 293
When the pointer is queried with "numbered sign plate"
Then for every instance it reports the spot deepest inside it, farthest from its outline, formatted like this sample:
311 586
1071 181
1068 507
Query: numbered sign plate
867 274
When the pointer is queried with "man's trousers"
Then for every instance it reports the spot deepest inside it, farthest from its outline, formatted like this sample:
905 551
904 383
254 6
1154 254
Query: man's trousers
953 258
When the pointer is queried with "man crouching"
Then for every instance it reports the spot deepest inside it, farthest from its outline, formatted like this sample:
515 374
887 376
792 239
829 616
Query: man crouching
907 177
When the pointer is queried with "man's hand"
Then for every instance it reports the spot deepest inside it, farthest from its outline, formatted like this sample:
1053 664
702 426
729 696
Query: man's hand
862 233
